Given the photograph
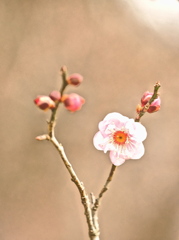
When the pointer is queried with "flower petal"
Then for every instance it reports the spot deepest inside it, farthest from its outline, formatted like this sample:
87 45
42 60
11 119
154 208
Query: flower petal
115 116
115 159
136 130
140 150
111 122
140 132
98 141
102 143
108 146
106 128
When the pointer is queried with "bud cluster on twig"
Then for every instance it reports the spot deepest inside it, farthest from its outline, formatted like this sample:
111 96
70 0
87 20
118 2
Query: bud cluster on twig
150 102
72 102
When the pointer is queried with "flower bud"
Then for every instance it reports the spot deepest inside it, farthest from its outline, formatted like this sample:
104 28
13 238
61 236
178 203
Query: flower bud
55 96
44 102
75 79
73 102
146 97
155 105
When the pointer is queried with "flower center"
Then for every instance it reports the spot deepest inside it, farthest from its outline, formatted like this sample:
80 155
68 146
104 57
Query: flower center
120 137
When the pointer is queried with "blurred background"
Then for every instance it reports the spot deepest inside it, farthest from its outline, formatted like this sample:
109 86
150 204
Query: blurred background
121 47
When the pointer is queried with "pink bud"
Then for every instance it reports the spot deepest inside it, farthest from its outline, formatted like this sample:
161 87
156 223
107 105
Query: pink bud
55 96
75 79
155 105
146 97
73 102
44 102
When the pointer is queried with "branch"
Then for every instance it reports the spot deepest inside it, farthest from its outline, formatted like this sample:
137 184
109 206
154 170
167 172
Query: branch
103 190
52 121
93 233
80 186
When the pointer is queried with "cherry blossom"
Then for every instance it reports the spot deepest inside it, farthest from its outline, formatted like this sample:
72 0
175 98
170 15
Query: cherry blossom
121 136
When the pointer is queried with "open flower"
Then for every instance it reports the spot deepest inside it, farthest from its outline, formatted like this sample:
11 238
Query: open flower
121 136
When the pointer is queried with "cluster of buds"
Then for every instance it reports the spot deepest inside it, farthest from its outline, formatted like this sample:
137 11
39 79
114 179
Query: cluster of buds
154 106
72 102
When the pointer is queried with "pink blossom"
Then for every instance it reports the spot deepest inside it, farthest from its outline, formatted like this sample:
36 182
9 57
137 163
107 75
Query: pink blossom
121 136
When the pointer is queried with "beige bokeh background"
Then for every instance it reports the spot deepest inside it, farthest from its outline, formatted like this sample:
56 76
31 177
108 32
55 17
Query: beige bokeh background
121 50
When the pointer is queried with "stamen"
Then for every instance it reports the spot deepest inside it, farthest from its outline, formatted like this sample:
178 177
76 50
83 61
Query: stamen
120 137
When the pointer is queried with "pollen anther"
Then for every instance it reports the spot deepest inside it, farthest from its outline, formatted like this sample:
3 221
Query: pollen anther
120 137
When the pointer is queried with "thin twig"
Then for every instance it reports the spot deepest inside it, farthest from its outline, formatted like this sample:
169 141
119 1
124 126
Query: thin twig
105 188
79 184
52 121
98 200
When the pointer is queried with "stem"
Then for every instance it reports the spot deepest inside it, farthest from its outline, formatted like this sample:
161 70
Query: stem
98 200
105 188
95 238
91 218
93 232
52 121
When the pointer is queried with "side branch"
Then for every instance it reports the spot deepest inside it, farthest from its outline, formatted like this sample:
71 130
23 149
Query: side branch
98 200
105 188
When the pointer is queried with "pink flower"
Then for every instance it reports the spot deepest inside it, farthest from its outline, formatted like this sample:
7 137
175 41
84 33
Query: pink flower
155 105
121 136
